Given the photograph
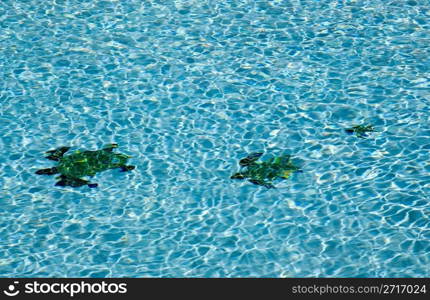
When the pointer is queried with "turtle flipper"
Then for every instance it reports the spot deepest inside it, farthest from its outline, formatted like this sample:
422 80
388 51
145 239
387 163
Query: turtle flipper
110 147
73 182
250 159
127 168
262 183
349 130
49 171
57 153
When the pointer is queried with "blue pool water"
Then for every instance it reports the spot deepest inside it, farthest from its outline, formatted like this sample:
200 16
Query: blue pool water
190 87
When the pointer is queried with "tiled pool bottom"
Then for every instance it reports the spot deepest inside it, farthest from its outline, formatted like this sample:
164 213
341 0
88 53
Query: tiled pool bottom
188 89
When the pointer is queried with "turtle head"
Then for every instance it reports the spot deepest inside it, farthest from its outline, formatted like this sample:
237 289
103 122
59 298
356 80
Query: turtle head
123 157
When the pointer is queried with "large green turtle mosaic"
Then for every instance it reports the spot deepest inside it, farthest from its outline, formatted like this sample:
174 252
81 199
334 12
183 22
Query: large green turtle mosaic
72 168
263 173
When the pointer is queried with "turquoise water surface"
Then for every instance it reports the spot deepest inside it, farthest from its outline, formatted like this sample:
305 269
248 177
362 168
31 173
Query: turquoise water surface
188 88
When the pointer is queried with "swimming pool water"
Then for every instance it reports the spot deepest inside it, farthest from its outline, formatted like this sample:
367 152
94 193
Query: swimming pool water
190 87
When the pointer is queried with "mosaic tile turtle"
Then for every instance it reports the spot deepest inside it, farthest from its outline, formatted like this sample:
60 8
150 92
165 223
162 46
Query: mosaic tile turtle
263 173
360 130
72 168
